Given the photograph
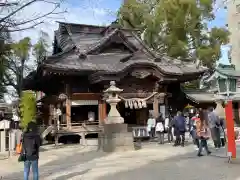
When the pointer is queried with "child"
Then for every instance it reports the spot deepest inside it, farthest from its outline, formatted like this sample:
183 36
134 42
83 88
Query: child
222 133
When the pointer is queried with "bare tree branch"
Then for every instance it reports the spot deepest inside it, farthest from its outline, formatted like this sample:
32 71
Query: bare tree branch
10 24
37 18
22 29
8 4
17 10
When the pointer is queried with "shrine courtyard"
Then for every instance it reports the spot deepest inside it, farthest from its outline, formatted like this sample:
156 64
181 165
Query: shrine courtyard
151 162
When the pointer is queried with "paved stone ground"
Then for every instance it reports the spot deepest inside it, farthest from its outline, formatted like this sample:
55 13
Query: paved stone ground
49 159
152 162
182 167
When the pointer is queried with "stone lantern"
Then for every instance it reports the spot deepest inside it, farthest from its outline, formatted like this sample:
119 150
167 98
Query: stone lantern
112 92
115 135
226 91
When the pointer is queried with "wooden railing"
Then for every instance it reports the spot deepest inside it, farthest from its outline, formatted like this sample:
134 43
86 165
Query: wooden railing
86 123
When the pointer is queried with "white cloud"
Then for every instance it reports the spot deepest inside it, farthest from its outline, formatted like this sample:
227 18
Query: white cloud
84 13
219 4
100 12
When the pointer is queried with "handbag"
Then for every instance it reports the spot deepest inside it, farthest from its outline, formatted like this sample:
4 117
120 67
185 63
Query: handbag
159 127
19 148
22 155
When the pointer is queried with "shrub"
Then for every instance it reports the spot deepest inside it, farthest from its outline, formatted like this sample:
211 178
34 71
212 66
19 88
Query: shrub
27 108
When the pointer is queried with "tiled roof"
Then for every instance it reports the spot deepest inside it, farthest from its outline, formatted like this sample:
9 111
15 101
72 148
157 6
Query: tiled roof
102 62
229 72
198 96
207 97
75 42
111 63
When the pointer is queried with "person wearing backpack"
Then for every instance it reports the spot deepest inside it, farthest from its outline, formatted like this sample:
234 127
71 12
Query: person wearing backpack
160 129
30 150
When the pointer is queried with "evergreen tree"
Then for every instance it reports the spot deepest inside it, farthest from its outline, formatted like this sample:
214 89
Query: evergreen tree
19 64
177 28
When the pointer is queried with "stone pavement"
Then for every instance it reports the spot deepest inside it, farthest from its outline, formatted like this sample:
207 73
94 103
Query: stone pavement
152 162
47 155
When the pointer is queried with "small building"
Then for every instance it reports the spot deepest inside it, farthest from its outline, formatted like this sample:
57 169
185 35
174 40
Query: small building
222 83
200 98
86 58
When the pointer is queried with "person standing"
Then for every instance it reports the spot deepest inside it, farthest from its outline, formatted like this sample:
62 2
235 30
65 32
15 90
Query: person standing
193 131
214 125
179 129
168 128
160 129
30 144
202 132
151 124
222 133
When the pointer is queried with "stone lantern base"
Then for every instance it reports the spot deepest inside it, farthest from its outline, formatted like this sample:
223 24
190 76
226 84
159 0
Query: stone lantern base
115 137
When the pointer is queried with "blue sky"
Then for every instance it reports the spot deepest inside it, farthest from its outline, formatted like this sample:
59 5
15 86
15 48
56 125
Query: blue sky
99 12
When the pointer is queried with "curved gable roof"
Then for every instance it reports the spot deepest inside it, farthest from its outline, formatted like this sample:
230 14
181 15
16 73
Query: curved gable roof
79 43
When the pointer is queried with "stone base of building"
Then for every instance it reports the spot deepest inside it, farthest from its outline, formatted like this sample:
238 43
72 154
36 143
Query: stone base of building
115 137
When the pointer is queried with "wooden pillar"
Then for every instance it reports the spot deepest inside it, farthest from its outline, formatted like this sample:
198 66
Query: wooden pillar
102 111
68 112
68 107
155 106
238 118
165 101
50 118
230 130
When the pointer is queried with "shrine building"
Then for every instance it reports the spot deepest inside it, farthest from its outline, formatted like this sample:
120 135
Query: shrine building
86 58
